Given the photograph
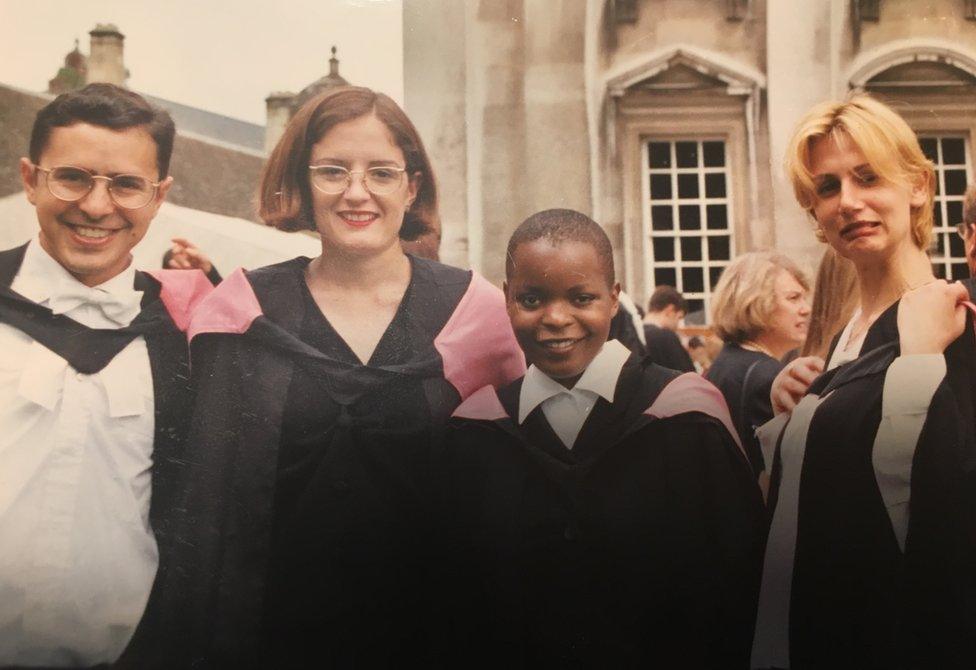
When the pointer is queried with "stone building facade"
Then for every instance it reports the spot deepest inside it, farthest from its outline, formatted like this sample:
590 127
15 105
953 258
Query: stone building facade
667 120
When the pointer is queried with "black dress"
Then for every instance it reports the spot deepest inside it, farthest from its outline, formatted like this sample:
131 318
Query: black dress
639 547
745 378
307 507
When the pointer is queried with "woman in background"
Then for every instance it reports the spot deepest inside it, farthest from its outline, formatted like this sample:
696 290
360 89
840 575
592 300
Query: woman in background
835 297
760 311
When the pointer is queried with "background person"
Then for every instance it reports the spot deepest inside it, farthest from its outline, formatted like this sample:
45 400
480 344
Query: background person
835 297
967 229
869 561
184 255
322 383
760 311
665 309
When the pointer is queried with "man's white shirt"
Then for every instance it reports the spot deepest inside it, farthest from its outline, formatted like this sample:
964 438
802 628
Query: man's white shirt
77 554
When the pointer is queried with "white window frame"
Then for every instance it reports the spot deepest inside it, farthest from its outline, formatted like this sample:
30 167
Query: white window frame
706 264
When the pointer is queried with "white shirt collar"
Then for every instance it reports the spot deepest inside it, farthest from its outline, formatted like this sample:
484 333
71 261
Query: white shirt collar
599 378
40 275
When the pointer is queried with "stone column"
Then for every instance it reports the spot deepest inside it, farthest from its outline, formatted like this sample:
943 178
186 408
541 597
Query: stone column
799 46
278 106
436 100
105 62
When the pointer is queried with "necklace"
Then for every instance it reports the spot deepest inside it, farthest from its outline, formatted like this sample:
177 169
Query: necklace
753 346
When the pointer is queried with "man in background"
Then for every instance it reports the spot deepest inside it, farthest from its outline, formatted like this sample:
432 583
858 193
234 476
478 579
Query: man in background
665 310
967 229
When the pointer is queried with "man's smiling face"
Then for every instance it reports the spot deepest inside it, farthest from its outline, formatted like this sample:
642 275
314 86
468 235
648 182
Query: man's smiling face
92 238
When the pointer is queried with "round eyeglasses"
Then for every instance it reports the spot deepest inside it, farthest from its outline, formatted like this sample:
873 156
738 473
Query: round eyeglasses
335 179
70 184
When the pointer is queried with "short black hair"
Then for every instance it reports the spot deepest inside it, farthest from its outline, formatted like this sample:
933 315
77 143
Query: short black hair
108 106
665 295
562 225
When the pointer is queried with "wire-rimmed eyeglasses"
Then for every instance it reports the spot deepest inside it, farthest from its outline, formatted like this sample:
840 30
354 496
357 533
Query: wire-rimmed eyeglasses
70 184
335 179
964 230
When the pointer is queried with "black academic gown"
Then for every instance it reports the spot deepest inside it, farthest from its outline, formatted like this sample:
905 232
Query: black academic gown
89 350
745 378
640 547
665 348
306 527
858 601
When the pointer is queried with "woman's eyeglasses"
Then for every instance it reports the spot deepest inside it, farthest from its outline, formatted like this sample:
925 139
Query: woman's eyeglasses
334 179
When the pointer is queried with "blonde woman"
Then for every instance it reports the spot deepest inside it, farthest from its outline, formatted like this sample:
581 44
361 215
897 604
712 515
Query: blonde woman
761 313
871 557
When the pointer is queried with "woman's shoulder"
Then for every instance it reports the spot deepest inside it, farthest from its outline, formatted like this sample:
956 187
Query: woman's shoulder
439 273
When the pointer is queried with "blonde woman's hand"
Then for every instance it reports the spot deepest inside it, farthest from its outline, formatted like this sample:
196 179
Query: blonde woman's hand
792 382
930 317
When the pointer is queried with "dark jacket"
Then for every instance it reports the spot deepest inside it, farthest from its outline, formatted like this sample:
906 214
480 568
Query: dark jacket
637 548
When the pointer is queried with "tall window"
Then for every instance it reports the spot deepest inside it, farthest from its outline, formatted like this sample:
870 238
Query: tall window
950 153
687 214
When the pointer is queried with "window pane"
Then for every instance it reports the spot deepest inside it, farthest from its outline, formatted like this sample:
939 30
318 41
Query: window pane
718 247
686 154
660 187
663 248
954 212
955 182
960 271
717 217
715 185
662 217
687 186
665 276
937 212
953 151
659 154
714 274
714 154
956 247
930 148
692 280
696 307
939 270
689 217
940 244
691 248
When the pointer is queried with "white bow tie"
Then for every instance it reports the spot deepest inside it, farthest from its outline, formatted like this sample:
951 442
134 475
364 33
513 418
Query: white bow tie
121 308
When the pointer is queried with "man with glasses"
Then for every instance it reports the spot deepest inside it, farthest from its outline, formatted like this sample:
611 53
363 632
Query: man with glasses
93 388
967 229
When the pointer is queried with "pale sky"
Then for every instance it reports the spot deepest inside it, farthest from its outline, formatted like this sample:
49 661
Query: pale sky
214 54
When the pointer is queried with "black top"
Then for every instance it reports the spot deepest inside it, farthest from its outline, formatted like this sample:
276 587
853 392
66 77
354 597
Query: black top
858 600
306 529
640 547
385 538
665 348
745 378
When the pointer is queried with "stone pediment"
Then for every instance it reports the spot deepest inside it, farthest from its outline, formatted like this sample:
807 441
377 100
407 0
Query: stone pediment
685 67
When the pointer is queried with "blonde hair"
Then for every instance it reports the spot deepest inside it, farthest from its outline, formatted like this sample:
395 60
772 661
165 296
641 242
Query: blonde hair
745 297
887 142
835 297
